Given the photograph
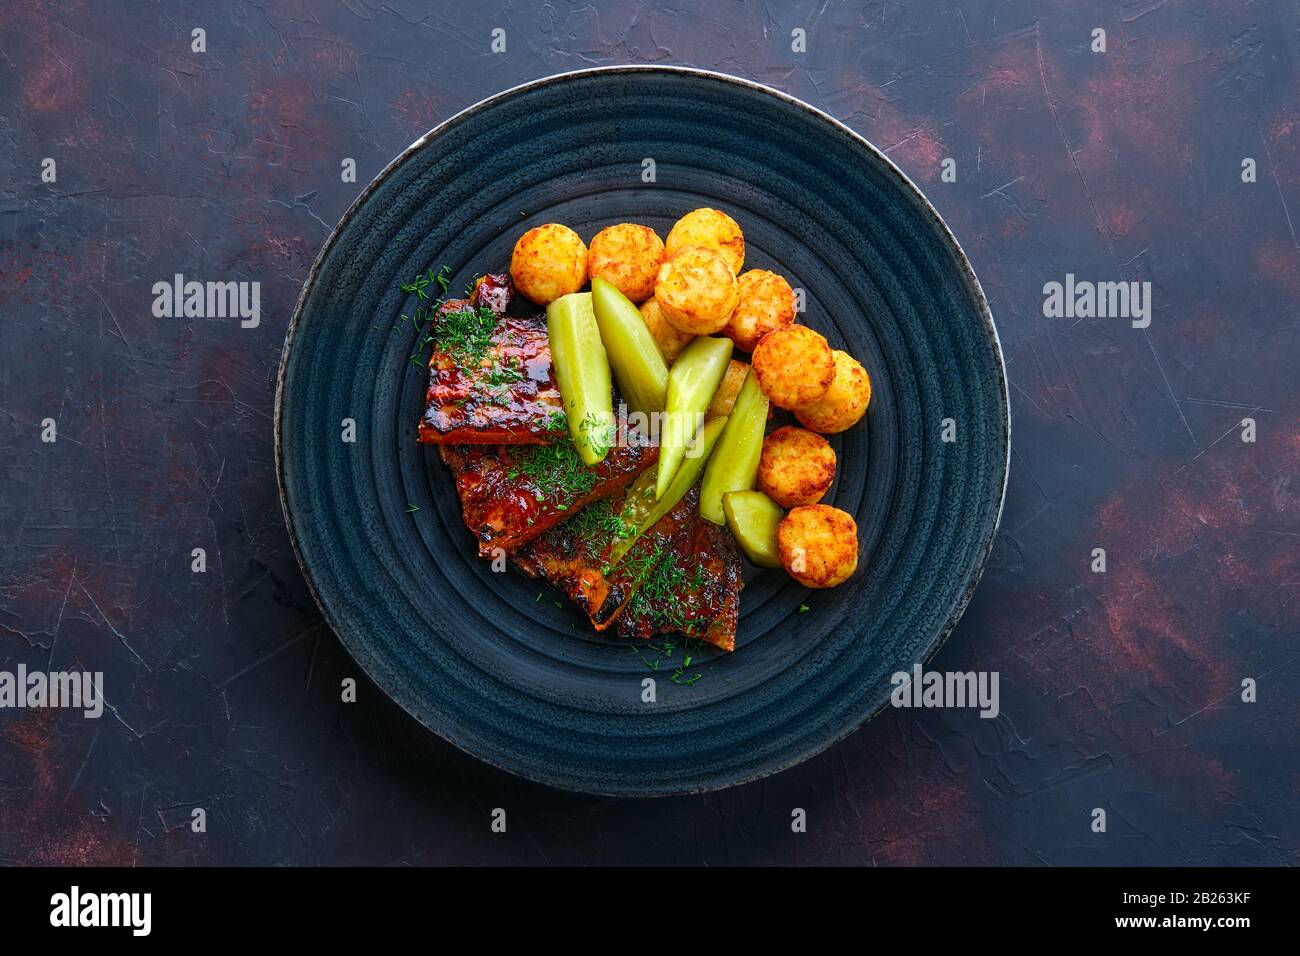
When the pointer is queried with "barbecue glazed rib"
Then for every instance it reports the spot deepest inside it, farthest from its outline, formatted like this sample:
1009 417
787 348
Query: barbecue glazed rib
510 494
574 556
681 575
693 589
490 377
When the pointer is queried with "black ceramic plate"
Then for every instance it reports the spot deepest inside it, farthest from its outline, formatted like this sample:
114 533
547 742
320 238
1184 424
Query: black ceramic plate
477 656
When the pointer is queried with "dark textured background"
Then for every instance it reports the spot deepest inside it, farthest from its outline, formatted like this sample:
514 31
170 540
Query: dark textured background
1119 690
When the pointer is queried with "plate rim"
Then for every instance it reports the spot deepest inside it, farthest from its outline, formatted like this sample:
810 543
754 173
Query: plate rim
968 274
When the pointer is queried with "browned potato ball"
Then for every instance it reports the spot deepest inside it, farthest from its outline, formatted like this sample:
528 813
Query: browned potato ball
549 261
796 467
818 545
766 304
627 256
711 229
669 340
696 290
844 402
794 366
727 391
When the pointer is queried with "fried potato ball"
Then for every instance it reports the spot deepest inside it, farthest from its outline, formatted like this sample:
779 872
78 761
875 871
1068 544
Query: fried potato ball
818 545
796 467
725 396
766 304
711 229
794 366
696 290
844 402
669 340
627 256
549 261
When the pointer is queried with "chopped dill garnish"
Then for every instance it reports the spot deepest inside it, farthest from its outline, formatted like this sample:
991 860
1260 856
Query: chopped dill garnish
555 470
595 527
666 651
421 283
501 375
661 583
466 334
420 319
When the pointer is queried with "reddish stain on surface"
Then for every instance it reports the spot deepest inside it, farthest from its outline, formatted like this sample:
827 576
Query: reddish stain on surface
272 251
1279 263
1193 525
1204 330
225 365
52 78
1121 220
416 111
909 139
15 272
42 823
63 588
1143 101
923 818
908 142
1008 71
1199 781
288 119
52 86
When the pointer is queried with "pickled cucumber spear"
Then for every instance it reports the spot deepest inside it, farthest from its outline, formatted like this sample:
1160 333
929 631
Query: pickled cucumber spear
753 517
692 381
638 365
641 510
582 373
734 467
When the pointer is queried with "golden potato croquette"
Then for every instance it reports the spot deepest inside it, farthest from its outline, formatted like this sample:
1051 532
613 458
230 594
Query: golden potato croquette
696 290
796 467
794 366
727 391
844 402
818 545
548 262
627 256
669 340
766 304
711 229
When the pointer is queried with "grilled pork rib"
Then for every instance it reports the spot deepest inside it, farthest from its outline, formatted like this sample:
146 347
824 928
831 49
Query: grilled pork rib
681 575
574 556
694 590
510 494
490 376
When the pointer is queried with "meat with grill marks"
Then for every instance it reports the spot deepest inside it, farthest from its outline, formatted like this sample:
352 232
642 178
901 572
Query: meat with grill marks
681 575
490 375
574 556
510 494
693 589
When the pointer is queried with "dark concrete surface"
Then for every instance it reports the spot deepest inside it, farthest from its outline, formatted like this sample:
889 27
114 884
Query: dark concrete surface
1119 690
